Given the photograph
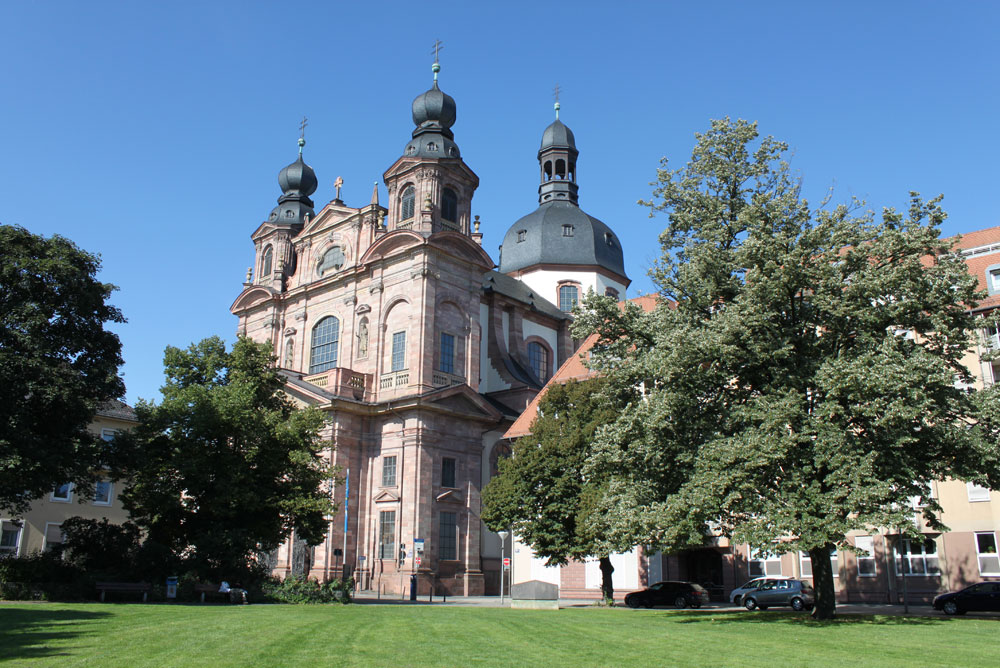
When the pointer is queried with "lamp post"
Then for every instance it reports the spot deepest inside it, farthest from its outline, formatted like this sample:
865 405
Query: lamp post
503 537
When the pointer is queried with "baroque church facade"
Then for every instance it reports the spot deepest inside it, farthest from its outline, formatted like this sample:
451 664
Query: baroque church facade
421 350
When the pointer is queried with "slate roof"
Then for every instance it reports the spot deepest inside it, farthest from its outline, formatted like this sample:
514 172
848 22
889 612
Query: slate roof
117 409
518 290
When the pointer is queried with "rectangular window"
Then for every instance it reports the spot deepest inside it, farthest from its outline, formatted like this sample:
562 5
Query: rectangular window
568 296
567 230
53 537
108 434
866 560
10 537
389 471
977 492
387 534
63 493
994 281
764 563
102 493
915 557
447 353
449 536
399 351
986 550
447 472
805 563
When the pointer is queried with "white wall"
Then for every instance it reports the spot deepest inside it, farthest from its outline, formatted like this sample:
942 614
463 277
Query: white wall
626 575
545 283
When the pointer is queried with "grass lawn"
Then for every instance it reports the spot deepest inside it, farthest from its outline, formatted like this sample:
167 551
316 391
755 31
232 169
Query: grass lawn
42 634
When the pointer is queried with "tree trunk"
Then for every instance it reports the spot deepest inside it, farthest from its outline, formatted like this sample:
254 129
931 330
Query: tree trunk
826 601
607 589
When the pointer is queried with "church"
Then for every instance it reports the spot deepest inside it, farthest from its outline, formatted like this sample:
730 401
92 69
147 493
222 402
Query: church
419 347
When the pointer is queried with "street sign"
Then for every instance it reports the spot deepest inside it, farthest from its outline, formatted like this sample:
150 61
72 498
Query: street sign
361 558
506 562
418 561
418 544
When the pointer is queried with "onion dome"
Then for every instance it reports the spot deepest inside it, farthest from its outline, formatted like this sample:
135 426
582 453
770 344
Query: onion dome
557 135
434 112
298 182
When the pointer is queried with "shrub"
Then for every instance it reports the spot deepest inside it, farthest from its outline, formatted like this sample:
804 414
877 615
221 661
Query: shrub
297 589
42 576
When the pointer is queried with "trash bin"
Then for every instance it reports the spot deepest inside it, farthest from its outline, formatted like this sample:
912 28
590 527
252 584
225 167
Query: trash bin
172 587
413 587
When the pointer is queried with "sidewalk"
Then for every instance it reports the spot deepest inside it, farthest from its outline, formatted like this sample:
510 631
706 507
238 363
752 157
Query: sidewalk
916 610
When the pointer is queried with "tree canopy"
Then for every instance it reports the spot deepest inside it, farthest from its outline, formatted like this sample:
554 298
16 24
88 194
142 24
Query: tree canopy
541 492
225 466
57 364
806 381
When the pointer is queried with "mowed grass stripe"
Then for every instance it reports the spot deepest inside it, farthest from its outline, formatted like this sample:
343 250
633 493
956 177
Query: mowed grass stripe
401 635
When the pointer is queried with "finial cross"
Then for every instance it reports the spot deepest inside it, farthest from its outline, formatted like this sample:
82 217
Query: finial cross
438 45
338 184
302 127
555 93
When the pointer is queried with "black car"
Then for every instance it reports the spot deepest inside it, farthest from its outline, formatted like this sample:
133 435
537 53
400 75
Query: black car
981 597
677 594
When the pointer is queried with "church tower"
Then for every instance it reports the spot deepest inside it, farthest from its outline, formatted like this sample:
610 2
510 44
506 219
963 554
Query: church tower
430 186
558 250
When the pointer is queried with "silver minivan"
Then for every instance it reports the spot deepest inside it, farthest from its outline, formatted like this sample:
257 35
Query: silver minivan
736 596
795 593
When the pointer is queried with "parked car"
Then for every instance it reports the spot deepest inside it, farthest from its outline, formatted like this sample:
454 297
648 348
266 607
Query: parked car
796 593
736 595
981 597
677 594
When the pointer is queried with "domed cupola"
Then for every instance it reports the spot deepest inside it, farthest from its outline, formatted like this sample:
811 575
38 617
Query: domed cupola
298 182
434 112
558 233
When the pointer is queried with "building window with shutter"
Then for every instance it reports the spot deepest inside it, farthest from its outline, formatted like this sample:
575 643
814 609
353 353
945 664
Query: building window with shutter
448 537
449 205
406 203
866 558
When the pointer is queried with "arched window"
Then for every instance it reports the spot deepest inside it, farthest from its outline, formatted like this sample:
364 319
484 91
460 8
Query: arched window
560 169
406 203
332 260
611 292
325 337
265 263
538 360
569 295
548 170
449 205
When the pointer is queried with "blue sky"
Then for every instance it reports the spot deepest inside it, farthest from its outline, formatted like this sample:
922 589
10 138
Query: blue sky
152 133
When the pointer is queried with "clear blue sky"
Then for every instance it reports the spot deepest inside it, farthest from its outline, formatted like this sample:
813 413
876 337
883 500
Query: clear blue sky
152 133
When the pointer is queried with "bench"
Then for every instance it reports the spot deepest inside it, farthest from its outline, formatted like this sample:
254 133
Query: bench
208 588
125 587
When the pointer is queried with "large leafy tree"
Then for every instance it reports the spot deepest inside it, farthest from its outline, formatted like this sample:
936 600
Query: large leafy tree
541 491
57 364
803 385
225 466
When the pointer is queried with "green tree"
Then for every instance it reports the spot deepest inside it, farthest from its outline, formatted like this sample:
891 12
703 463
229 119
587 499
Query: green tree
57 364
802 383
225 466
541 492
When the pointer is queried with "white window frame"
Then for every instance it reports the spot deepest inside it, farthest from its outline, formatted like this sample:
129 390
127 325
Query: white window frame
59 499
45 536
977 493
762 559
108 435
389 482
993 556
921 557
16 552
111 493
869 547
805 563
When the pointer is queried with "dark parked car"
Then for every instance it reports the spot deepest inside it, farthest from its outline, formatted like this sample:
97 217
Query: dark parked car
796 593
981 597
677 594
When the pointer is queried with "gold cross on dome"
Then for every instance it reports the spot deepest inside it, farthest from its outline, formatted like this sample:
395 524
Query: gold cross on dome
337 184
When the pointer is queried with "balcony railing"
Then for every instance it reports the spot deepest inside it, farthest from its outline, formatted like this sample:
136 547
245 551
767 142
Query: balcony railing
442 379
394 379
344 383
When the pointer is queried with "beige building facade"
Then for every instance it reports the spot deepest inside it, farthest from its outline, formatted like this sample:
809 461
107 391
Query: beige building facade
39 530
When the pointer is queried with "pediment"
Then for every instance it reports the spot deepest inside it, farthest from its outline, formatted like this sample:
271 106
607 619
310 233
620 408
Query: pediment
461 246
463 400
392 243
386 496
252 296
450 496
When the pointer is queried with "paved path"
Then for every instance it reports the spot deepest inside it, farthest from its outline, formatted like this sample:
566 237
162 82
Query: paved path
916 610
